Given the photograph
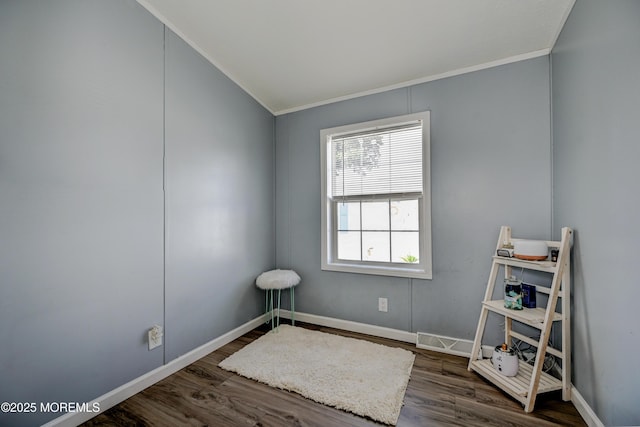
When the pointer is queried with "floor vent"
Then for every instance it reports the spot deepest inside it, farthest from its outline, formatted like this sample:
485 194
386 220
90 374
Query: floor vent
456 346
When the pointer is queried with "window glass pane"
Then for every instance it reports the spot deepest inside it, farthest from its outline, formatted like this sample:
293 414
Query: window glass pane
375 215
348 216
375 246
405 246
349 245
404 215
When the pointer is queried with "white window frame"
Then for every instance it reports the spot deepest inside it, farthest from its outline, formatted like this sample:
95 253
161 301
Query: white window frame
330 262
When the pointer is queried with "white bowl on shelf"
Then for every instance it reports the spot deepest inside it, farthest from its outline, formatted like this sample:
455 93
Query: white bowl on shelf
530 250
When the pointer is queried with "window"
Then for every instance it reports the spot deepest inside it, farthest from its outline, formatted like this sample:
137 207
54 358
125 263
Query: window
376 207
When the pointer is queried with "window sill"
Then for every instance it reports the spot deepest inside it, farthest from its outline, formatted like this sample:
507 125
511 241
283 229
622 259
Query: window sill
414 273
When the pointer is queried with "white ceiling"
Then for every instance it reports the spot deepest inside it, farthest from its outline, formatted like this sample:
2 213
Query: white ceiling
294 54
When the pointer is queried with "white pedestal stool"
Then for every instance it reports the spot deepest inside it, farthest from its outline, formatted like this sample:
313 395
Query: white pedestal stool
278 280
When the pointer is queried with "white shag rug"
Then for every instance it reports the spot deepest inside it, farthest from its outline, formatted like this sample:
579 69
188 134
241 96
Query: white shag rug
358 376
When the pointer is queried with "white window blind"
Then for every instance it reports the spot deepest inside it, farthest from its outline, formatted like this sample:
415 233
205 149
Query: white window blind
376 162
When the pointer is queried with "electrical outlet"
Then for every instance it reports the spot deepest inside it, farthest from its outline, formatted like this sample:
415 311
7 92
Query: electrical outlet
155 337
383 305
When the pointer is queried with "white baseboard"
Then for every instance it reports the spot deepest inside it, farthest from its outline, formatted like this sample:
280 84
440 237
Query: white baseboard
585 411
347 325
127 390
365 328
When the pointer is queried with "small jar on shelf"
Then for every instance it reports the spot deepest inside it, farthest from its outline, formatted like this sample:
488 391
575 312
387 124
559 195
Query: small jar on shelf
513 293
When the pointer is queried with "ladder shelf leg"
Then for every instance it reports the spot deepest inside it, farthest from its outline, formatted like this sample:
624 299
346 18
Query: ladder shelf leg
477 347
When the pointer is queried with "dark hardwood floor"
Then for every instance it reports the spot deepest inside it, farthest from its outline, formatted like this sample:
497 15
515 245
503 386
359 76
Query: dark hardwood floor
441 392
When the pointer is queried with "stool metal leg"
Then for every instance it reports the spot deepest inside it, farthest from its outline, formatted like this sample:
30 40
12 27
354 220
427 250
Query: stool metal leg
266 303
293 307
279 291
272 322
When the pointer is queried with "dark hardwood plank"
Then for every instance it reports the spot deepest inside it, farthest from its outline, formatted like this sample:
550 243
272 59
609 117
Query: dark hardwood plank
441 392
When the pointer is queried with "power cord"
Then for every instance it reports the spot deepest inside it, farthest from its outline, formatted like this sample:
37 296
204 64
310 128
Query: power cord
527 353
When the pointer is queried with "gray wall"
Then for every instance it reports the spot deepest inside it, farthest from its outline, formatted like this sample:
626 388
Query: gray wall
219 198
82 208
596 134
490 165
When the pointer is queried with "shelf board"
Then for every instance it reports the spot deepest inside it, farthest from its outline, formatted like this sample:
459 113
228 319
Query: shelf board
547 266
517 386
529 316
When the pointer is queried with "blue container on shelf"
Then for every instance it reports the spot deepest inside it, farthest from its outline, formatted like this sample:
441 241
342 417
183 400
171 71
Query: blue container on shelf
528 295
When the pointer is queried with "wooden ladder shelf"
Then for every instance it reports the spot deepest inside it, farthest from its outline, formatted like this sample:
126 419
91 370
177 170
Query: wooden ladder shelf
530 380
